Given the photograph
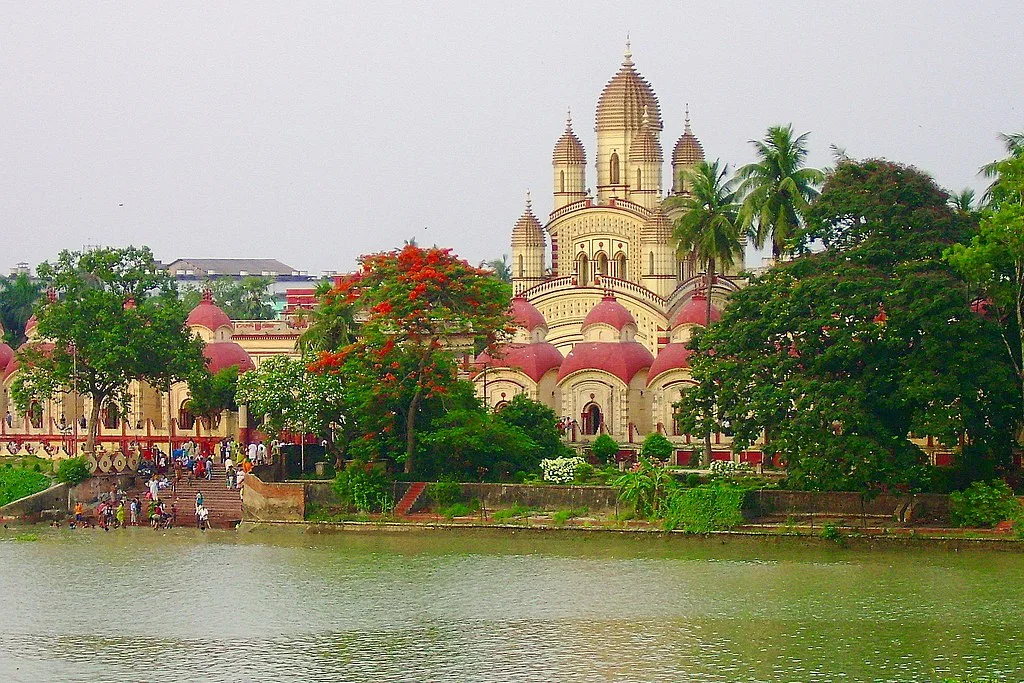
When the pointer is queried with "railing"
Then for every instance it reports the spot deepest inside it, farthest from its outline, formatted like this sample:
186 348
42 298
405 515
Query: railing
602 283
569 208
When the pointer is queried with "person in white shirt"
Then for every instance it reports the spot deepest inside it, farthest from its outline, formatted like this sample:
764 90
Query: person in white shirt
253 449
261 454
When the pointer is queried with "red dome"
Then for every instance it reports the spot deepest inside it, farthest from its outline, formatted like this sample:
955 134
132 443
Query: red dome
6 355
220 355
31 324
695 312
526 314
533 360
610 312
672 357
622 359
207 314
12 365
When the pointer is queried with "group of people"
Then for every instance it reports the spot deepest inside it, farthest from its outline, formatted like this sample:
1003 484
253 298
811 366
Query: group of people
118 512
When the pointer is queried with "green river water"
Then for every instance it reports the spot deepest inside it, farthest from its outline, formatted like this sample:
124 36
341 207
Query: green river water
477 605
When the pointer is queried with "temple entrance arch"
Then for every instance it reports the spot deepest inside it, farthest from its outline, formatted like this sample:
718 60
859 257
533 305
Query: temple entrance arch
592 419
583 269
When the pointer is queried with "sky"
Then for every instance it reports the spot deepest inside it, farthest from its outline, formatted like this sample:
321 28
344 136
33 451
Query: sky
316 132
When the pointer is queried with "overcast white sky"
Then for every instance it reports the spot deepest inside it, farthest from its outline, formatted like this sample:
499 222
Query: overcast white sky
314 132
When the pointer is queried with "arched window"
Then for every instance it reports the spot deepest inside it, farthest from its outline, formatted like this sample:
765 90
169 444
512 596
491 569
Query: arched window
561 181
592 419
650 263
501 406
522 268
110 416
583 269
621 265
613 169
602 264
186 420
639 177
35 415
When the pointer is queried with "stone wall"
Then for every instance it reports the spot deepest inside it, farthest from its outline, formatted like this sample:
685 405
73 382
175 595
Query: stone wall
269 501
88 492
927 507
31 507
594 498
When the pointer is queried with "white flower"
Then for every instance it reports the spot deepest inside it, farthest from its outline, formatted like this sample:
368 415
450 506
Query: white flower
560 470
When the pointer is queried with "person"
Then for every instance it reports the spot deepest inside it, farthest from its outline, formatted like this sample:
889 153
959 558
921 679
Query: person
230 476
154 490
119 515
174 515
228 464
133 511
79 512
81 422
199 500
9 418
252 450
261 453
239 477
209 467
203 518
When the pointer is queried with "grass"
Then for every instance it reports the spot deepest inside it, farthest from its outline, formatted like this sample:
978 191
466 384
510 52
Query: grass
460 509
563 516
515 512
26 537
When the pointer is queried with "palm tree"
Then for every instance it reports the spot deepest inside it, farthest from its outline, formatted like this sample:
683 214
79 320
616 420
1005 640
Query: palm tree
332 323
709 228
1014 143
18 295
777 189
502 268
963 201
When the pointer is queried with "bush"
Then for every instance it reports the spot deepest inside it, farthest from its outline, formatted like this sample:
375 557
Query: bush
831 533
584 471
365 488
692 480
727 468
984 505
563 516
17 483
515 512
560 470
604 448
705 508
657 446
73 471
445 492
460 509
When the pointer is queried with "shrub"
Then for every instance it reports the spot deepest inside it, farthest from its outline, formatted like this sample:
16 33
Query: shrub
831 533
515 512
17 483
692 480
726 468
604 448
584 471
657 446
364 487
445 492
73 471
704 508
645 487
563 516
460 509
984 505
560 470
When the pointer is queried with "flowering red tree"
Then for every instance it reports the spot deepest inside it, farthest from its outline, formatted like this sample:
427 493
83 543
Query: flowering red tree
421 307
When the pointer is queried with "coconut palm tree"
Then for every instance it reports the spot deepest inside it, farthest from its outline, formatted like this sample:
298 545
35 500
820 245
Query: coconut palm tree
777 189
709 228
502 267
1014 143
18 295
963 201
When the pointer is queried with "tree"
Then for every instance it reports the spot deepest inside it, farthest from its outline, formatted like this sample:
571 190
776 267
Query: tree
1014 144
993 262
419 303
777 189
245 299
332 324
537 420
501 267
604 448
115 318
709 229
18 295
837 356
477 443
657 447
210 394
964 202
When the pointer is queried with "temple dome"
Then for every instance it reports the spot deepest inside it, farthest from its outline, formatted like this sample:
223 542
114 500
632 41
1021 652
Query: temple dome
526 314
657 228
622 359
220 355
610 312
673 357
527 231
208 314
646 148
6 355
624 98
569 150
695 312
688 150
533 360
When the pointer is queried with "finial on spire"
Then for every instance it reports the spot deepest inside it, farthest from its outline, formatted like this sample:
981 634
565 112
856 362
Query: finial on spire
628 54
529 201
686 122
646 119
568 118
208 296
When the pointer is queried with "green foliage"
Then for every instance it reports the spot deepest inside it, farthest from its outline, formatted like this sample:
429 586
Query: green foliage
365 488
985 505
18 296
115 318
473 443
332 323
73 471
212 394
17 483
646 488
705 508
584 472
837 356
657 447
460 509
562 516
538 421
830 532
604 448
26 537
288 397
444 492
515 512
246 299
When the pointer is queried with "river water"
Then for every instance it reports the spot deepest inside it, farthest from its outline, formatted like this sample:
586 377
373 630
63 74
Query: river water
476 605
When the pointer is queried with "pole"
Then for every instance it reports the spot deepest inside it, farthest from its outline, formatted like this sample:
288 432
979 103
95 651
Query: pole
74 380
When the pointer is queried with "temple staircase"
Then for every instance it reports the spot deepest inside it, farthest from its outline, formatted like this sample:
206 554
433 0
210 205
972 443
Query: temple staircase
411 497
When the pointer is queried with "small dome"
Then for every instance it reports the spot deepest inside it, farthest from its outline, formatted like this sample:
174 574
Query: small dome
6 355
645 147
526 314
220 355
622 359
569 150
695 312
657 228
610 312
207 314
623 99
672 357
688 150
527 231
13 364
533 360
31 324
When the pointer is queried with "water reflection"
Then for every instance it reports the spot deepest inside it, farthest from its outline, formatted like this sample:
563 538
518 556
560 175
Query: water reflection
272 605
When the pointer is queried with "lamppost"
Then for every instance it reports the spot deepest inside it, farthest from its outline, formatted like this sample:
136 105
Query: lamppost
74 384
